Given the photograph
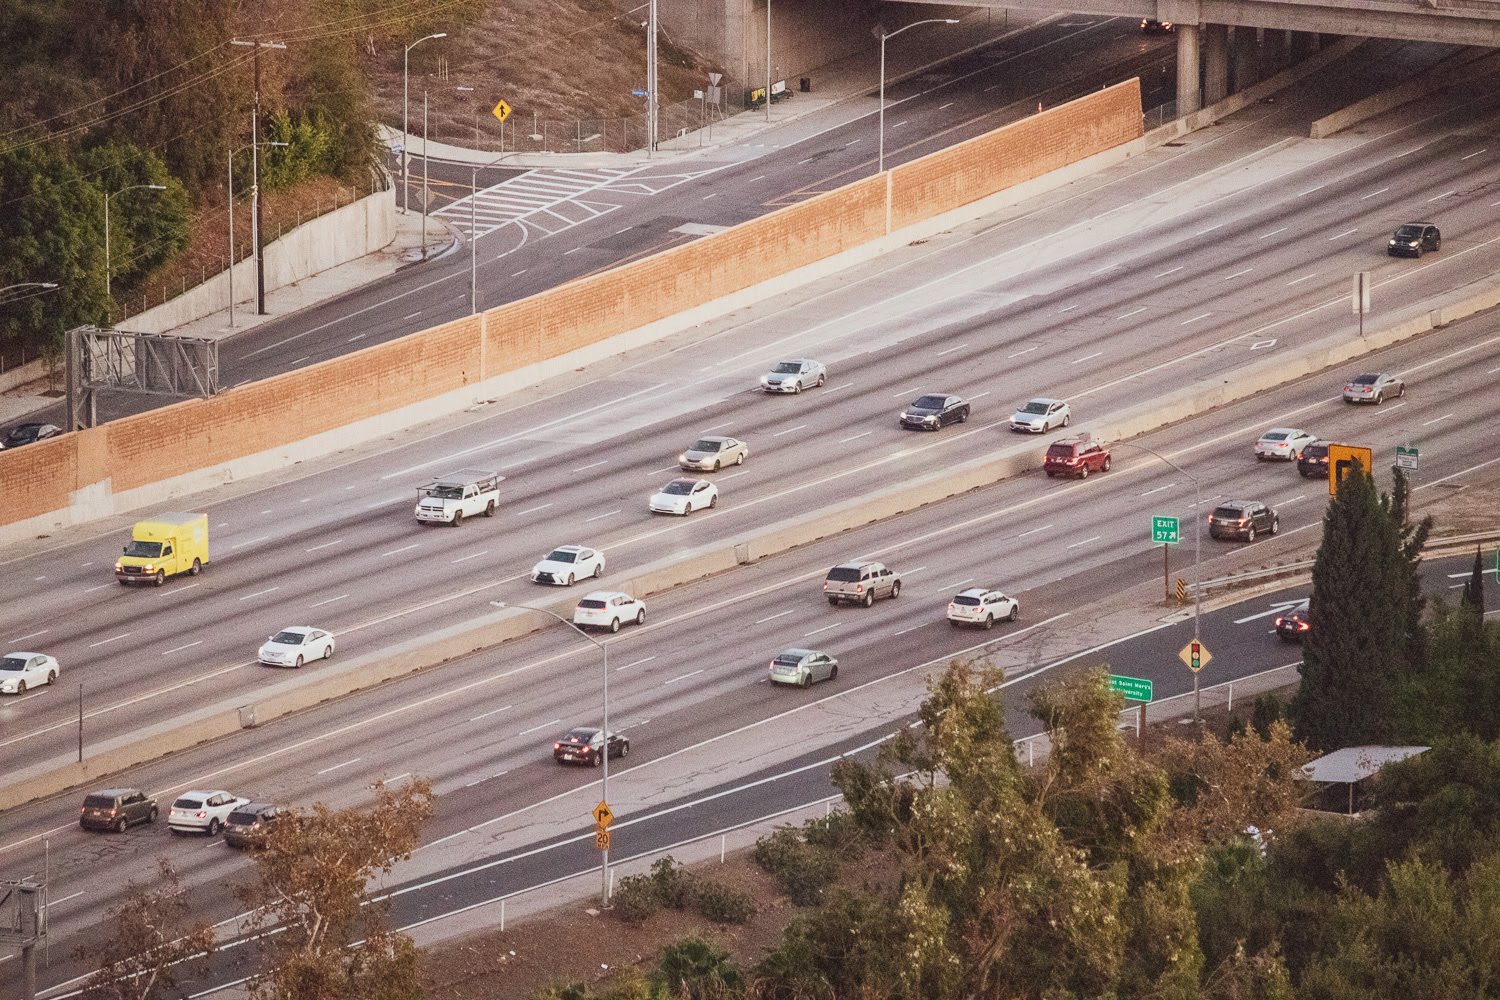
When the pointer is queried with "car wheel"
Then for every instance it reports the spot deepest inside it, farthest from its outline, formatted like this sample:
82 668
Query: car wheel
989 622
570 580
161 578
1105 466
151 816
640 617
598 570
833 602
489 509
870 599
197 568
596 759
739 459
1083 471
833 672
298 664
327 651
1250 534
963 416
821 379
716 465
1046 427
805 681
1067 419
796 388
1379 398
213 827
20 687
614 625
1015 612
458 518
895 590
1401 390
624 749
713 502
121 824
1275 525
1051 474
51 677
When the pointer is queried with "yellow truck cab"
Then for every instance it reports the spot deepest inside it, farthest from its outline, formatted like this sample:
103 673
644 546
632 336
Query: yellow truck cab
166 546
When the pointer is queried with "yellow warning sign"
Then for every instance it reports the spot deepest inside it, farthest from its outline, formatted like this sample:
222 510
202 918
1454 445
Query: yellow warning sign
601 839
501 111
1195 656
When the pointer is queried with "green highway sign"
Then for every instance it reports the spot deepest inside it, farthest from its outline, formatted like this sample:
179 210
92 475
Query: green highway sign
1165 530
1407 457
1133 688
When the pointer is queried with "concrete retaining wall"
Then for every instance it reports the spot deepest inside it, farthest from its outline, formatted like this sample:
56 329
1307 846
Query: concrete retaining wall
1465 69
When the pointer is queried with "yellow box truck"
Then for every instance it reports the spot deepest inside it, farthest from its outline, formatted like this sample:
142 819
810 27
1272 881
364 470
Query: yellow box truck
163 547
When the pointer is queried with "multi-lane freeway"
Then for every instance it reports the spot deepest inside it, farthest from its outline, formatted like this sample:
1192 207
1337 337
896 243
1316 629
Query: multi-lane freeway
1177 268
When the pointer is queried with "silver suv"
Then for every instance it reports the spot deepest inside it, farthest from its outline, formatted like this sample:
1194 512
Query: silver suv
861 583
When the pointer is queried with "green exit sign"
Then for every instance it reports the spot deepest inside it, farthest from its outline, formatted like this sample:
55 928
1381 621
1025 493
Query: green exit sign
1165 530
1133 688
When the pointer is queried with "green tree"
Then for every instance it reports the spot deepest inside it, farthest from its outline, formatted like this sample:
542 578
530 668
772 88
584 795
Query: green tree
145 227
1366 610
1473 596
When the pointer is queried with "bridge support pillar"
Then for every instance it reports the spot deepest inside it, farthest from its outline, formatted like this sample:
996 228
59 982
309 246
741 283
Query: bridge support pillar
1244 54
1277 42
1215 63
1188 94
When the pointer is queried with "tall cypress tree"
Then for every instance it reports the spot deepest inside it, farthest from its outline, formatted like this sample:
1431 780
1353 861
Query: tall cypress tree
1473 595
1366 608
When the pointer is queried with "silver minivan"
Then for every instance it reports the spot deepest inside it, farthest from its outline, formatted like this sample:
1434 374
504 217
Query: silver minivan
861 583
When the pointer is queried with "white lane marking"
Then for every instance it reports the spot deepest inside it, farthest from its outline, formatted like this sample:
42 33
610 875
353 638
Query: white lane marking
533 510
1474 154
683 677
715 194
1273 232
1436 419
1445 194
1033 531
1086 357
412 316
1106 267
472 555
353 760
950 350
851 142
537 729
1238 274
357 336
905 393
752 180
253 541
1158 489
945 107
1373 193
634 663
1084 542
1305 277
591 465
54 902
980 395
790 430
855 437
309 356
404 548
657 472
1019 353
178 649
897 125
520 272
956 583
836 388
625 230
1312 189
28 635
1195 318
1295 499
1066 309
779 614
1339 236
1492 371
1261 345
574 250
259 593
912 572
113 638
328 601
493 711
325 545
825 628
1217 225
1132 312
600 517
731 475
912 628
1170 270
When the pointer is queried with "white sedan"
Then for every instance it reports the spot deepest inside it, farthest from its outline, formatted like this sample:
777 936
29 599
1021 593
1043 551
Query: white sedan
19 671
683 496
609 609
567 563
295 645
1040 415
202 812
793 376
1285 443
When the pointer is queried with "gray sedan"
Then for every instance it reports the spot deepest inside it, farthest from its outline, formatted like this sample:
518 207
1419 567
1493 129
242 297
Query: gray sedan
710 454
803 667
1373 388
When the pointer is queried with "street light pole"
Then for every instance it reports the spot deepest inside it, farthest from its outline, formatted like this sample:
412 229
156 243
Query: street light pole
880 168
604 783
768 62
107 198
405 107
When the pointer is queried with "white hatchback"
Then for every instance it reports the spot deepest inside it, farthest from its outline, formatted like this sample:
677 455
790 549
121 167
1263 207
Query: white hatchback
683 496
202 812
609 609
295 645
977 606
1285 443
1040 415
19 671
567 563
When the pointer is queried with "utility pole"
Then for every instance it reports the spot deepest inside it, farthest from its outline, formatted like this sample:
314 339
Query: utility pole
653 126
257 221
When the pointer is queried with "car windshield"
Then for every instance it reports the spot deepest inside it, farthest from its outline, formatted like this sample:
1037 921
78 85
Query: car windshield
562 556
143 550
678 487
591 604
1409 232
966 599
844 574
787 368
705 445
289 638
1365 379
1035 406
446 492
13 663
930 403
188 804
1230 512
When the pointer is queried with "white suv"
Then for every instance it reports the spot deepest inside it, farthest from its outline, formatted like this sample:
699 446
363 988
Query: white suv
977 606
202 812
609 609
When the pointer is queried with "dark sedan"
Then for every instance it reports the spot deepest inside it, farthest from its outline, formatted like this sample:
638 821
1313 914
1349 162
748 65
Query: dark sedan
1413 239
583 746
1294 625
932 411
30 434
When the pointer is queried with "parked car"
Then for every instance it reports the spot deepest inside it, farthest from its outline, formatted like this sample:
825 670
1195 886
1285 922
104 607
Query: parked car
803 667
1414 239
248 825
202 812
861 583
609 609
793 376
568 563
683 496
981 607
1312 460
934 410
1243 519
1076 456
1373 388
1294 625
30 434
295 645
584 745
19 671
116 809
1040 415
710 454
1284 443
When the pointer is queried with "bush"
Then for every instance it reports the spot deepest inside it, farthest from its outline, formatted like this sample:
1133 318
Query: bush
1268 709
838 832
635 899
721 904
674 886
801 869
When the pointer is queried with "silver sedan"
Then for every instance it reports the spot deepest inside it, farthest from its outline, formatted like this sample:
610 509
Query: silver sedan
1373 388
710 454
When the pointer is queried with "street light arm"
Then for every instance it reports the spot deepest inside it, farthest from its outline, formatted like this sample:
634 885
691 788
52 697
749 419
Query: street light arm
918 24
554 614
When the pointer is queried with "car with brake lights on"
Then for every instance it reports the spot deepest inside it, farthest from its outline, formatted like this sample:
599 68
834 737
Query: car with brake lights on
980 607
1414 239
1243 520
202 812
21 671
585 745
249 825
934 410
1151 26
1294 625
1040 415
861 583
1076 456
567 563
803 667
1312 460
295 645
683 496
793 376
609 609
1373 388
1284 443
710 454
116 809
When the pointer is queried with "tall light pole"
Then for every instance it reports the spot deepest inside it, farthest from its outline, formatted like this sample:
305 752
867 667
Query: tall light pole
604 784
405 107
881 33
253 249
768 62
1197 552
107 199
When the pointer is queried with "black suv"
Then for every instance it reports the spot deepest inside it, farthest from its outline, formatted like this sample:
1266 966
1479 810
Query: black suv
1242 519
248 824
1313 460
115 809
1414 238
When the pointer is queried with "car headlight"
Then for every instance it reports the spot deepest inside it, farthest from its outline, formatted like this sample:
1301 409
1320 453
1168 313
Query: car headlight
119 567
150 567
683 458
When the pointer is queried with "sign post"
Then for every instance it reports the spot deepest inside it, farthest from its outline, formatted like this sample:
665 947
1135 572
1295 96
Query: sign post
1361 298
1195 656
1134 689
1165 531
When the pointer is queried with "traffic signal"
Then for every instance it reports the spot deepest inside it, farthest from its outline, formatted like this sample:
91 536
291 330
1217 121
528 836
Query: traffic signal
1195 655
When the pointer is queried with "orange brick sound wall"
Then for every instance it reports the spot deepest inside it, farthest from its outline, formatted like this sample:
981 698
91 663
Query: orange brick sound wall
1012 154
39 477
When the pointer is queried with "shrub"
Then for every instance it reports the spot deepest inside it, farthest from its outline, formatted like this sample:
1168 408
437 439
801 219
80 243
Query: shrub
697 969
635 899
674 886
1268 709
722 904
838 832
801 869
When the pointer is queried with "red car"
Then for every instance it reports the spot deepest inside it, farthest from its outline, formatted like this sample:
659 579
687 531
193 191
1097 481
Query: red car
1076 456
